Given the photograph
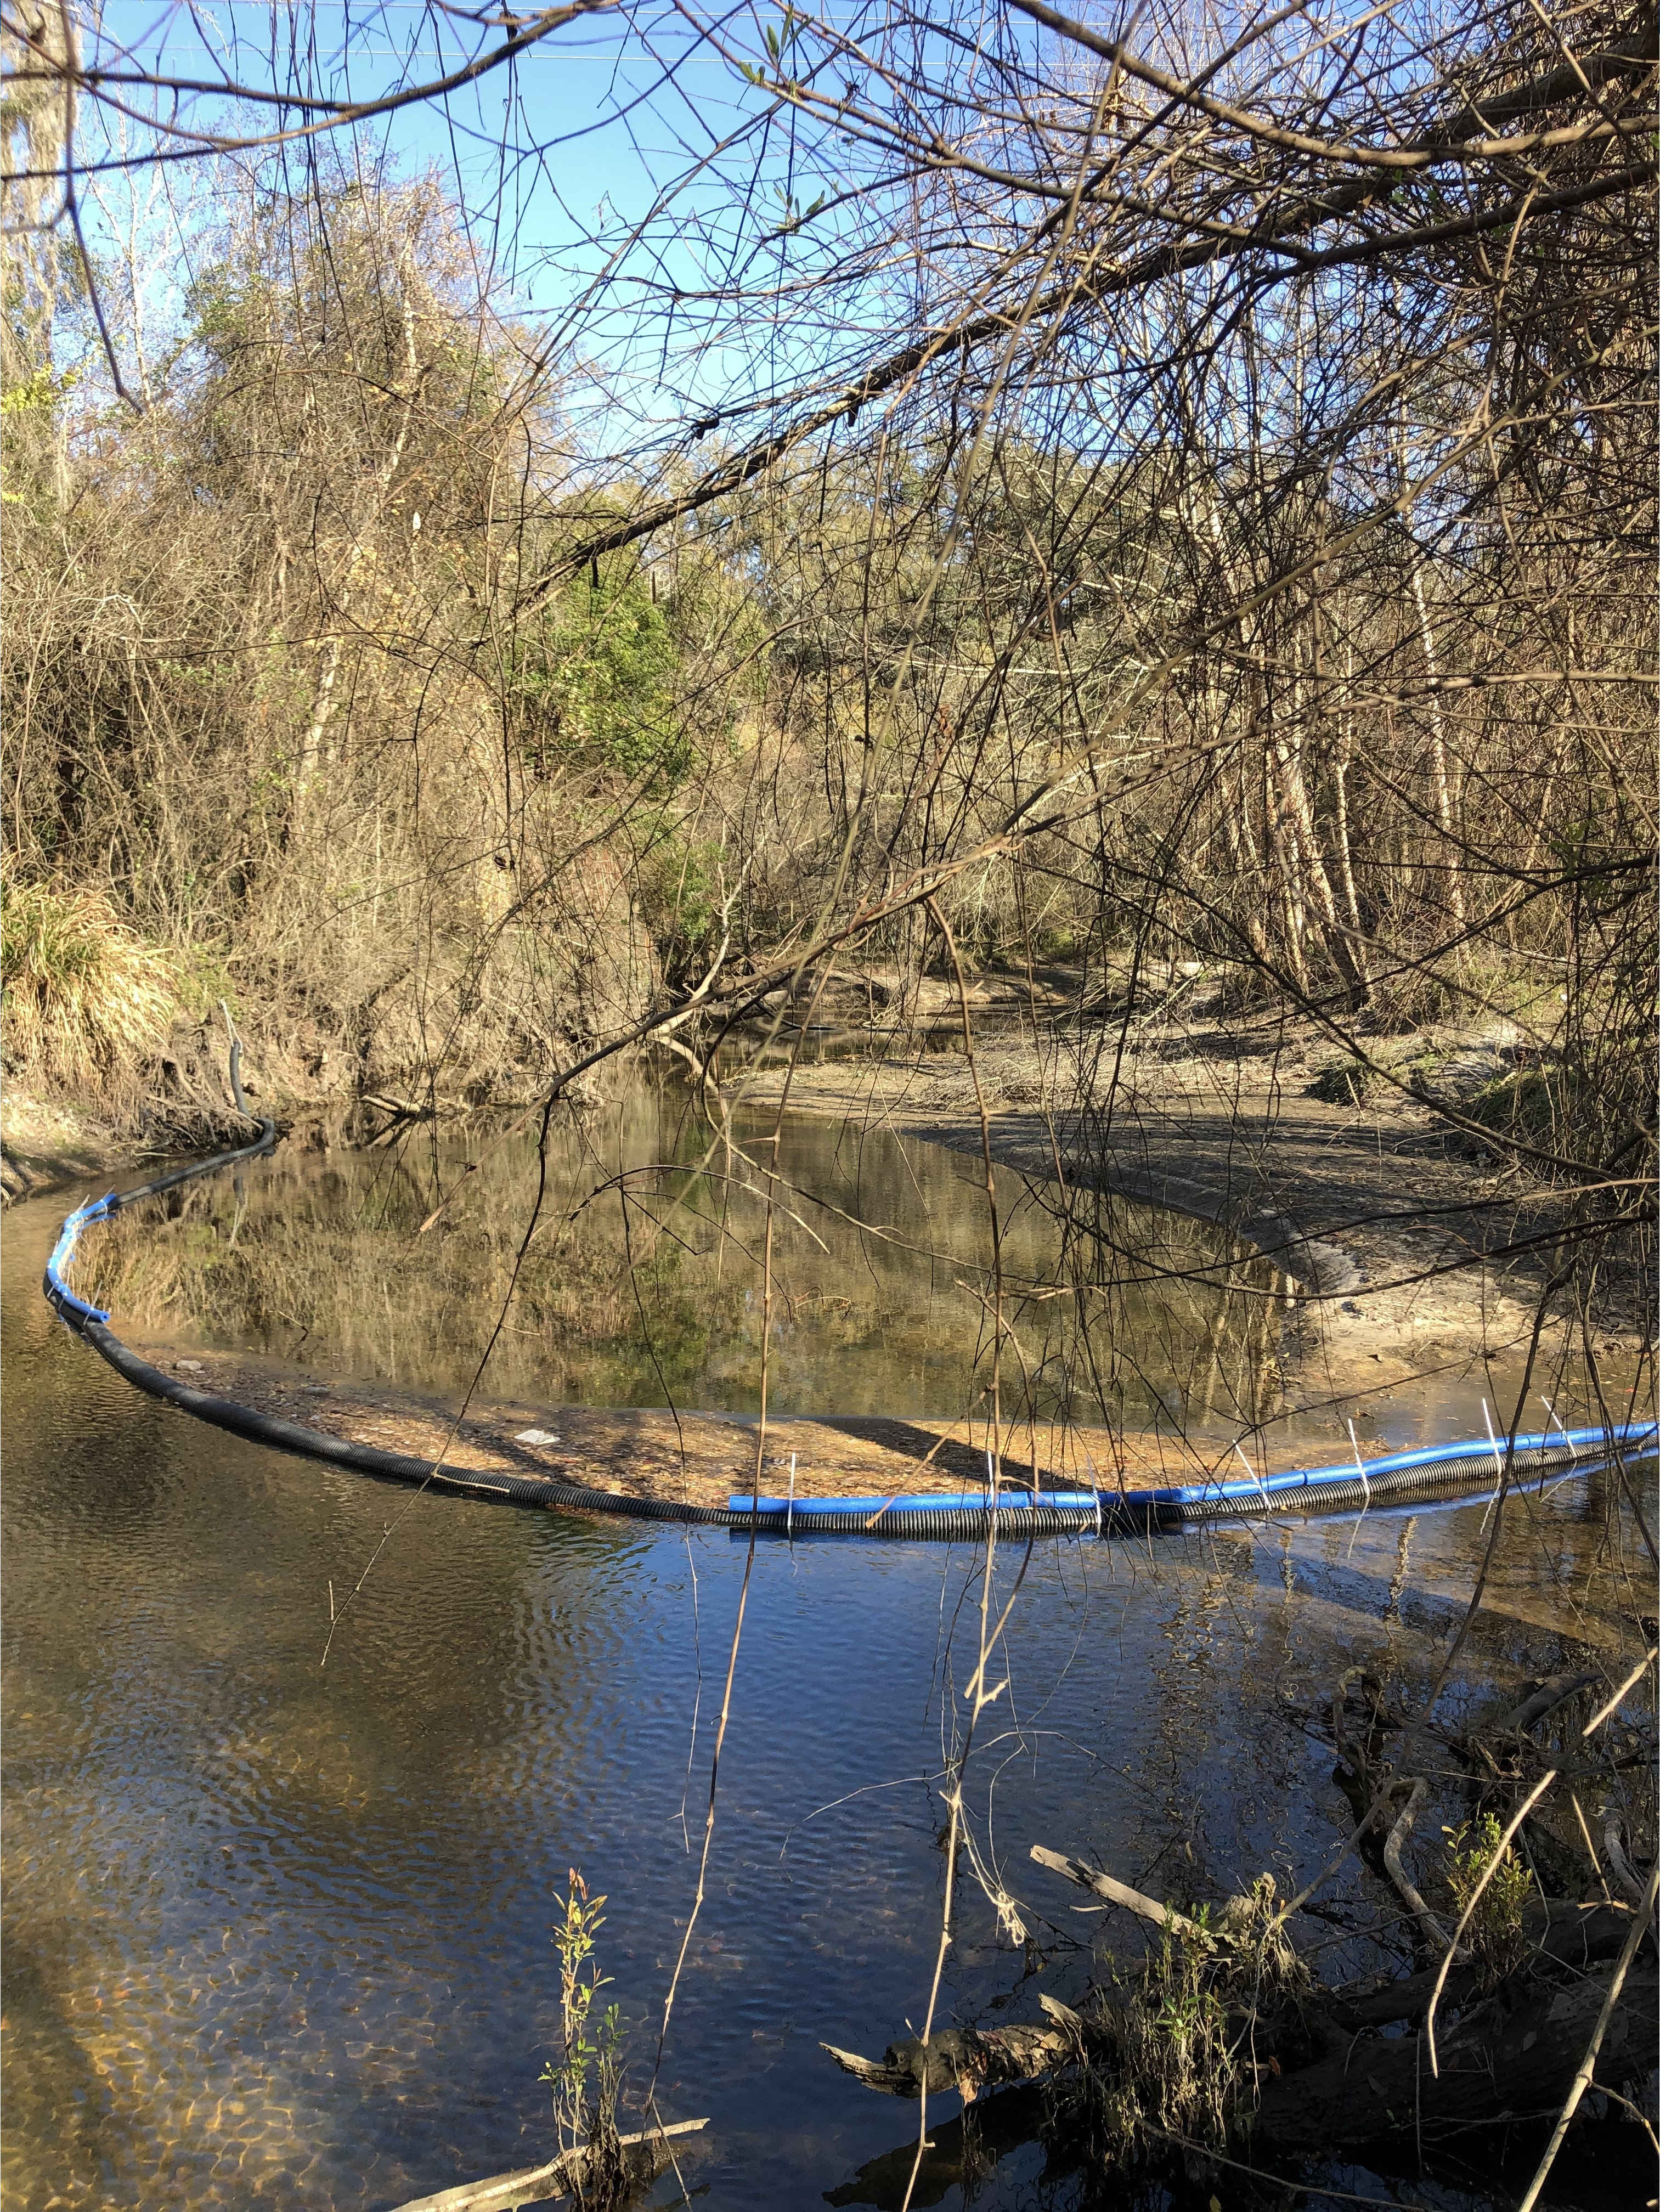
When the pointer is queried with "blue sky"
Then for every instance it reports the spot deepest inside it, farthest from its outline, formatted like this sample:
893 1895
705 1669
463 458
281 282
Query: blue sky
552 158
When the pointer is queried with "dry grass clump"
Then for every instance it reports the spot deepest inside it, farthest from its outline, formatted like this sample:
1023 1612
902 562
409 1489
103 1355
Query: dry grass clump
86 1001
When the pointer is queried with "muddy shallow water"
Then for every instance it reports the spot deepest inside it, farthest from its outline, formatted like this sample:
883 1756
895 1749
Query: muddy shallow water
278 1933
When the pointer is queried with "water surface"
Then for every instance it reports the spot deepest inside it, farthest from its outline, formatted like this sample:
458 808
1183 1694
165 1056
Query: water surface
641 1283
278 1933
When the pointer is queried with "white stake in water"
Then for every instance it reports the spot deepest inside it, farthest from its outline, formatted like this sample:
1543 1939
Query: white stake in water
1254 1475
1365 1488
1561 1431
1499 1461
1573 1456
789 1511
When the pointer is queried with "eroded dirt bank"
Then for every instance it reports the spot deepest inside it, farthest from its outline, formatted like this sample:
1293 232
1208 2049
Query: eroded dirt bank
47 1146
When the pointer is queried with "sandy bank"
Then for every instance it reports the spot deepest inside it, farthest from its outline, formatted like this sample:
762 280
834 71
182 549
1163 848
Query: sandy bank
700 1458
1410 1250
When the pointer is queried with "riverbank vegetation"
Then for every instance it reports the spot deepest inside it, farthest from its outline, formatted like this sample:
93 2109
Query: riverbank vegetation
1182 595
1219 2043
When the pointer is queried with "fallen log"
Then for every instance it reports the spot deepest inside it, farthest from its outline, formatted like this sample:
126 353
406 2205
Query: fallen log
405 1110
1323 2072
1373 2103
966 2059
1500 2062
1557 1931
1497 2065
645 2154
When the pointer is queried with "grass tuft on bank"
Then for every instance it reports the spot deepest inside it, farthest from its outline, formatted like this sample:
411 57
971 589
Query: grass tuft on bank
88 1001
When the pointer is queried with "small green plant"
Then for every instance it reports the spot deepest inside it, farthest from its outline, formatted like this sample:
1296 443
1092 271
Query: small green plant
588 2076
1170 2065
1494 1933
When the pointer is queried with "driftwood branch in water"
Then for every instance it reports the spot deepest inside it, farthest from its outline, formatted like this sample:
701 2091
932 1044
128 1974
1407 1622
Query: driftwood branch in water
1555 1690
1619 1863
645 2154
1434 1931
1120 1892
966 2059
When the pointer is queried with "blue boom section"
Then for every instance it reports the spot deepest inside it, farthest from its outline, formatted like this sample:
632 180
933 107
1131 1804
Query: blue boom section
1633 1440
95 1209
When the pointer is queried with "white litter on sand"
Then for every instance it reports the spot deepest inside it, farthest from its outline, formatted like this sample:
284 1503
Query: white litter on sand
536 1437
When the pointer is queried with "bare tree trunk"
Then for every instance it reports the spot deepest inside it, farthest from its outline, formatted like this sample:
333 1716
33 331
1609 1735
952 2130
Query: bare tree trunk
311 745
1444 805
1305 841
1345 848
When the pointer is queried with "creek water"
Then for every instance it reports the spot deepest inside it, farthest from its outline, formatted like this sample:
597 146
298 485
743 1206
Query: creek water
640 1285
278 1932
